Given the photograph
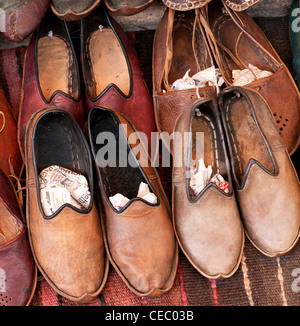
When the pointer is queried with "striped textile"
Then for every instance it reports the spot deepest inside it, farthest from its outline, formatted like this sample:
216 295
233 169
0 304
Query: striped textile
260 281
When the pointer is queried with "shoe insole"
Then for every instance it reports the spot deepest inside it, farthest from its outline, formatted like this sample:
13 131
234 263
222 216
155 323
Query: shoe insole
9 226
246 140
55 63
108 63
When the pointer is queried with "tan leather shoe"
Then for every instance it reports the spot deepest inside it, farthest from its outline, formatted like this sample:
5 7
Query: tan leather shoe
265 179
67 245
127 8
240 5
179 45
207 222
138 234
237 42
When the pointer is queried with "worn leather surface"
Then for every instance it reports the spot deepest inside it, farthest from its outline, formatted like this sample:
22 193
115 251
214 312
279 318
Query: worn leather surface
185 4
268 194
17 268
127 8
138 106
139 239
23 17
68 247
73 10
168 104
32 98
240 5
10 152
208 227
244 39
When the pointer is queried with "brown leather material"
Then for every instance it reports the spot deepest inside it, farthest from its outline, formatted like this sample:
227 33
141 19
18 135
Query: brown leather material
239 5
18 273
127 8
137 104
10 158
35 97
73 10
173 56
240 42
184 5
208 226
267 185
23 17
67 246
139 238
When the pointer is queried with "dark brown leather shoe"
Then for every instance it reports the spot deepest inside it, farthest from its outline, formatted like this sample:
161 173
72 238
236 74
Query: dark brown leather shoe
138 234
238 42
179 45
239 5
207 221
67 245
51 74
127 8
183 5
266 182
73 10
121 86
10 158
18 273
22 17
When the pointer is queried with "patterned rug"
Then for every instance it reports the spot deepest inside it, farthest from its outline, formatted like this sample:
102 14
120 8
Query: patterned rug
260 281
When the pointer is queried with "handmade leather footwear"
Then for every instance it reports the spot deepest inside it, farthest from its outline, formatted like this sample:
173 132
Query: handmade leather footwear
205 213
239 45
239 5
67 243
51 74
10 158
18 273
127 8
138 231
179 46
121 86
73 10
184 5
266 182
22 17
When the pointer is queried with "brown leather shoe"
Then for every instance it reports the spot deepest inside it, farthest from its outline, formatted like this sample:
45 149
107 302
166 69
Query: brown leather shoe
121 86
237 42
67 245
18 273
10 157
138 235
22 17
265 180
207 222
174 52
51 74
127 8
184 5
239 5
73 10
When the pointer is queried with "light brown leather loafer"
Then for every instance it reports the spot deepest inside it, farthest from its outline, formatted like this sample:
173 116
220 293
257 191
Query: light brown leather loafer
207 222
179 46
266 182
127 8
239 44
70 10
240 5
138 233
67 244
